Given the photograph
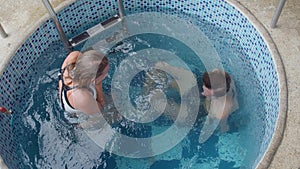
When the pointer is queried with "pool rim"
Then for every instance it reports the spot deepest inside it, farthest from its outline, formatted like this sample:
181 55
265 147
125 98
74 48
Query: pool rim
280 125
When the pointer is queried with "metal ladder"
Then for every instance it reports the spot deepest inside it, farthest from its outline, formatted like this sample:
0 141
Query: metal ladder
70 43
2 32
277 13
77 40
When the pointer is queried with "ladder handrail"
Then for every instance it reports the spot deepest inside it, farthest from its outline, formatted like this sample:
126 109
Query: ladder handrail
121 8
2 32
277 13
59 29
66 42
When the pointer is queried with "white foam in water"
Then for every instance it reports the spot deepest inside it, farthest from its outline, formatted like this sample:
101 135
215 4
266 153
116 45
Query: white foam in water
143 42
126 47
159 23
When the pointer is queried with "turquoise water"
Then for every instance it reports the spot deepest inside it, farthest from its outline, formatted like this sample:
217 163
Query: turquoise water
46 140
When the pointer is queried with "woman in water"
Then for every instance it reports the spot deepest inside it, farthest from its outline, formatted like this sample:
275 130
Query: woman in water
218 89
221 97
80 84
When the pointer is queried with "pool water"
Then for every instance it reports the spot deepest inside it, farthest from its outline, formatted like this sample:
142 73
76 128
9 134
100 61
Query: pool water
46 140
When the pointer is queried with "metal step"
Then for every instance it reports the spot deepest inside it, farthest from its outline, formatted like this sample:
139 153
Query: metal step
95 30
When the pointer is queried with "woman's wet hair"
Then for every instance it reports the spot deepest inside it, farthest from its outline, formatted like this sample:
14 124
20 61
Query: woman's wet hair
218 81
88 67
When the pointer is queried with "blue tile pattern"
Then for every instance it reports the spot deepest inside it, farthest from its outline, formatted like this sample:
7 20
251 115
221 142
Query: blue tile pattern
14 83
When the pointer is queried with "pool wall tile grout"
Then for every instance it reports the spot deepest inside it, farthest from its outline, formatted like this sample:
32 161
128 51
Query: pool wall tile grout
281 121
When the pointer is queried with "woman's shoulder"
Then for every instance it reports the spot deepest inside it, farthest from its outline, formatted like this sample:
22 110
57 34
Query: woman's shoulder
84 100
73 54
71 58
82 95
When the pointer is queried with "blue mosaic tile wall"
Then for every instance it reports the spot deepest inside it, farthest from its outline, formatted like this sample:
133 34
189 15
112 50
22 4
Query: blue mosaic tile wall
15 83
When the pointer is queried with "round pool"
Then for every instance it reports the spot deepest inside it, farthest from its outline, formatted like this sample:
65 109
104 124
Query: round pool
203 35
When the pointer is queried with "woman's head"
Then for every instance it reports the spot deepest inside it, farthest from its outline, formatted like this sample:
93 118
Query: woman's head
89 66
217 81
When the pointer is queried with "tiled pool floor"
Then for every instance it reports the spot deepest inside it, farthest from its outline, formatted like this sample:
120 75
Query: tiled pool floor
19 18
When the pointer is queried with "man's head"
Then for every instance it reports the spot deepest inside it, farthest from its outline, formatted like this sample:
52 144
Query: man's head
216 83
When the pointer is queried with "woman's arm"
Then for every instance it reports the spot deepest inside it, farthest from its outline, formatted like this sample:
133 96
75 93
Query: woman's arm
84 101
184 78
219 108
100 94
